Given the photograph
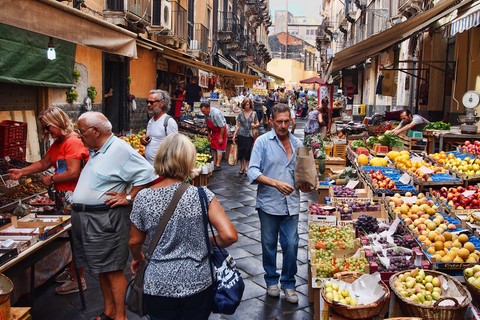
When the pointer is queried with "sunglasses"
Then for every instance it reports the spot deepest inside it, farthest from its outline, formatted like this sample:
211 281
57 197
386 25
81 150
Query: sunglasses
152 101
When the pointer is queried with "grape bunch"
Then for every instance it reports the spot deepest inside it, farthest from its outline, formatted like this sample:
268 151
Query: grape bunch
399 264
318 209
406 241
367 224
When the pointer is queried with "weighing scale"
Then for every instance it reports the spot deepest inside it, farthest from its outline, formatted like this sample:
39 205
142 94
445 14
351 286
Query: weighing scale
470 100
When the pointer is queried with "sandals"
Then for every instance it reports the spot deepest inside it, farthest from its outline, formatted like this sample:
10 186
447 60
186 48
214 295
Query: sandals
102 316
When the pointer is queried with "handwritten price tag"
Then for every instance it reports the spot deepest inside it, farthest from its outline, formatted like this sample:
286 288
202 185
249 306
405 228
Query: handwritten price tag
425 170
416 159
405 178
11 183
352 184
468 193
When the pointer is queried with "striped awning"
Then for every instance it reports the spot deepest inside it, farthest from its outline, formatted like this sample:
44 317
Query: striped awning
465 21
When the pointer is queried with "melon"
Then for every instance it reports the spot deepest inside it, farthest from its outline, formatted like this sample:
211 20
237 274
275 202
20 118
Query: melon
362 160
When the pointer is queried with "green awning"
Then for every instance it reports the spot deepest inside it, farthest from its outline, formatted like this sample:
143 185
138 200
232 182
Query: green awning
23 59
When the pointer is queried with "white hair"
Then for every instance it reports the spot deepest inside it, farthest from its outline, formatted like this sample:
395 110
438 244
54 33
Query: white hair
97 119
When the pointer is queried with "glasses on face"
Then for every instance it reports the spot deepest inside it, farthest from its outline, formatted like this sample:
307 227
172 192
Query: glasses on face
152 101
81 133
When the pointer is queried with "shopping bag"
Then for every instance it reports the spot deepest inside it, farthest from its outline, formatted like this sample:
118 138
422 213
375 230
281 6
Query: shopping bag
134 296
305 171
229 285
232 155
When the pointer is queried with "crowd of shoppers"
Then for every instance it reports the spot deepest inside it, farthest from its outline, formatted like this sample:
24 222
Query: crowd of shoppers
117 199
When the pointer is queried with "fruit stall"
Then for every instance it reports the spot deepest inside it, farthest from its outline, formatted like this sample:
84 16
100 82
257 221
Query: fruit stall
404 221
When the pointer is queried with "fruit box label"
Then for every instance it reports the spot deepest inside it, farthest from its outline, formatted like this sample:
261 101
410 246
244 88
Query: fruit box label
323 220
346 223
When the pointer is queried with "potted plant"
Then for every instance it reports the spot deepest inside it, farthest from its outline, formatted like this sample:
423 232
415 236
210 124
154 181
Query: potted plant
92 93
72 95
76 75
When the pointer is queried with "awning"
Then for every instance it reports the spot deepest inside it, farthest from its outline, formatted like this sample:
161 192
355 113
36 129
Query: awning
464 21
264 72
204 66
23 59
394 35
55 19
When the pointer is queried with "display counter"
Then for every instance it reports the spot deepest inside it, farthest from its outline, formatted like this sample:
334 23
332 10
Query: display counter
448 140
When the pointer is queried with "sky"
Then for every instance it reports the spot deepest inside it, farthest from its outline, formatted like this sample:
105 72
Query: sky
309 8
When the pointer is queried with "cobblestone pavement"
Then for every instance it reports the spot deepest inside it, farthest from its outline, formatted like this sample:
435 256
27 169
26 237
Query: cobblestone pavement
237 197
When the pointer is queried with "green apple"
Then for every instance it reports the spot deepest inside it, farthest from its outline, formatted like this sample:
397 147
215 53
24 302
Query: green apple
438 290
335 286
476 283
476 268
429 286
471 279
420 297
428 278
435 295
468 272
353 302
327 284
436 282
345 293
329 296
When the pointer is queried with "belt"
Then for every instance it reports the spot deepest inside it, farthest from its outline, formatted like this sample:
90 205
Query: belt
81 207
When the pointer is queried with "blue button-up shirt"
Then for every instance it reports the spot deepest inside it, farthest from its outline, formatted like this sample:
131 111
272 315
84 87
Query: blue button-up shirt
269 158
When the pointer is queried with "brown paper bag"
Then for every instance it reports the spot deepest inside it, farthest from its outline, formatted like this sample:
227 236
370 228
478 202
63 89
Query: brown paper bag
305 171
232 156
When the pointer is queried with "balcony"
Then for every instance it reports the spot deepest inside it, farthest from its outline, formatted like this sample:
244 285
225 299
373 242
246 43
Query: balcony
179 21
132 14
201 37
225 26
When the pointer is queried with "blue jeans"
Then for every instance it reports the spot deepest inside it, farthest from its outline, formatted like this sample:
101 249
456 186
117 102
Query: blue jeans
286 228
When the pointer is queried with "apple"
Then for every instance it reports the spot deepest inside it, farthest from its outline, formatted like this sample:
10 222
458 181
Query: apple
468 272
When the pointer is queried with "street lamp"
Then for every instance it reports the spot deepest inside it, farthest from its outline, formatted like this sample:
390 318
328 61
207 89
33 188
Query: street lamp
51 54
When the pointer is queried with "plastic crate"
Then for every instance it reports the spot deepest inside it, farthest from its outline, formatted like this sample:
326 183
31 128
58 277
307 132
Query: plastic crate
14 151
12 132
340 151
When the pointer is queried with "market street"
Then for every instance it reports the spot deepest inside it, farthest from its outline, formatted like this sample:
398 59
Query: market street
237 197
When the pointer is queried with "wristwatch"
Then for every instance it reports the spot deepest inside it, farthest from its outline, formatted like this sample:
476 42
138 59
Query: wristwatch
129 198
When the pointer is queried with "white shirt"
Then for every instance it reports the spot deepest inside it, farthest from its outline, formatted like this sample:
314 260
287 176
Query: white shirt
156 131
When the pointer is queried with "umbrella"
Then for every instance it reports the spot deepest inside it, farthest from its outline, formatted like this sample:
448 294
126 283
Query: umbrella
313 80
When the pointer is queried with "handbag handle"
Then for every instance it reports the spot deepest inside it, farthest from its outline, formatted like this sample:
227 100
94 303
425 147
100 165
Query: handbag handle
206 223
160 228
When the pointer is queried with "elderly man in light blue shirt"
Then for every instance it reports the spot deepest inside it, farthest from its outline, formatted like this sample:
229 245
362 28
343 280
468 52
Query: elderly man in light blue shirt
272 166
101 208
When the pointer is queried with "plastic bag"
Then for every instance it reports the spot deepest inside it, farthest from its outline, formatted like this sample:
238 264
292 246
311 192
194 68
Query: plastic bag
232 155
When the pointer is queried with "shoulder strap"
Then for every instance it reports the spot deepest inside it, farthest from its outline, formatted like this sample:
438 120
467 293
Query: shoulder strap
165 123
163 223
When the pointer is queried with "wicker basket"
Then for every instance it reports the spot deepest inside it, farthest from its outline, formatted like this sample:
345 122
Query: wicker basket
456 312
474 291
358 312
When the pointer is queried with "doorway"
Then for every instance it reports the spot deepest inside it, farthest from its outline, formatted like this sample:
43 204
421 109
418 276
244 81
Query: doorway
116 91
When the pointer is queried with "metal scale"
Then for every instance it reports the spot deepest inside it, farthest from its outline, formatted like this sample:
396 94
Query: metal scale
470 100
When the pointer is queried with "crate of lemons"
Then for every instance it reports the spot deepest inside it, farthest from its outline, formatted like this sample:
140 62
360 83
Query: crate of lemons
134 140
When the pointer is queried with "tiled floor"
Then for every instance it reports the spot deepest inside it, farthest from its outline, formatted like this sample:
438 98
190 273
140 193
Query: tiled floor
237 197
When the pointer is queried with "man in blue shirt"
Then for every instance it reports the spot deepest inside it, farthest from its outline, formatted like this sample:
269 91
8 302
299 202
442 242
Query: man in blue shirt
272 166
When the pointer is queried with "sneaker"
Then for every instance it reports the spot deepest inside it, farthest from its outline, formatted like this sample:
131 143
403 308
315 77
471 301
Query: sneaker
273 291
70 286
217 168
63 277
291 295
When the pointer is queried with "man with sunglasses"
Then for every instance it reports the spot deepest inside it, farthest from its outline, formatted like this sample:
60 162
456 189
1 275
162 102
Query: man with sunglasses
160 124
272 166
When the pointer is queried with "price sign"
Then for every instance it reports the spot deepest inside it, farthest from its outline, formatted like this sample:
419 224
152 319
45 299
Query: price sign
416 159
11 183
425 170
352 184
405 178
468 193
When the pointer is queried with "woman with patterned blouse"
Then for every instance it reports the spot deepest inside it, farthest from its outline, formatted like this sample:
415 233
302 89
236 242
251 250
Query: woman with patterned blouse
178 282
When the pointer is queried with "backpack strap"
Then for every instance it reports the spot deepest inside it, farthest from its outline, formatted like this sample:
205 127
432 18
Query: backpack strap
165 123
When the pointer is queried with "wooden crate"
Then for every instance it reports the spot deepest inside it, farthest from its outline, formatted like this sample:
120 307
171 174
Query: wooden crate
414 144
340 151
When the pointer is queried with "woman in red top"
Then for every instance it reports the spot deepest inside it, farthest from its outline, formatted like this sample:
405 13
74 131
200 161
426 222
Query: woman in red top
179 98
67 155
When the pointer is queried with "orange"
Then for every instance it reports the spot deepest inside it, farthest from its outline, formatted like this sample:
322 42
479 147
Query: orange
463 253
469 246
463 238
439 245
447 236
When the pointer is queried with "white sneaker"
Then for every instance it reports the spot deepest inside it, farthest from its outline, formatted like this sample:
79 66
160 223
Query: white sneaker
273 291
291 295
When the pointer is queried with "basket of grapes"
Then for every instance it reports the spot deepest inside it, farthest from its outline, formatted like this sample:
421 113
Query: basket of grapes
430 294
345 294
